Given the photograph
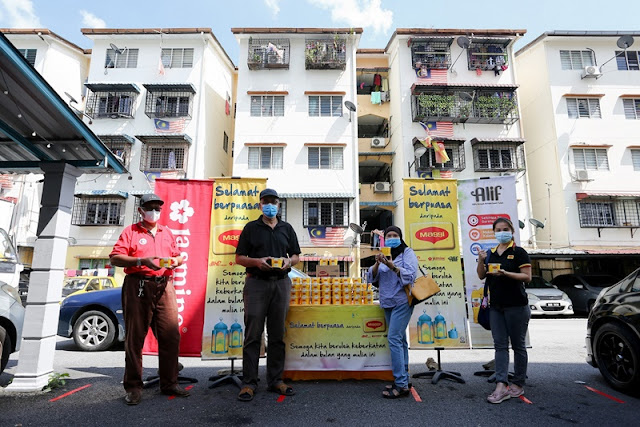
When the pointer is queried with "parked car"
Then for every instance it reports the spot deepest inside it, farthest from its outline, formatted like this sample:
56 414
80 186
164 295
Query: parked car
613 334
95 319
545 299
11 319
81 284
583 289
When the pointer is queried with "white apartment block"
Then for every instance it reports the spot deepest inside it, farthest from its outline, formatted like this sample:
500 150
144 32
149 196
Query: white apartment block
463 85
294 128
580 100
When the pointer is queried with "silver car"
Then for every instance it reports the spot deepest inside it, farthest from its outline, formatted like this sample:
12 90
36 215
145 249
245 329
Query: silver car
546 299
11 318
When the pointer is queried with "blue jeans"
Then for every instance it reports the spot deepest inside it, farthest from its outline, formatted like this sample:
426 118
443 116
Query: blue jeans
397 320
510 323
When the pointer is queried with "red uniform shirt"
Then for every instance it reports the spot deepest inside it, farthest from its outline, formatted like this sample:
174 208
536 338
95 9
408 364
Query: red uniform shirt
137 241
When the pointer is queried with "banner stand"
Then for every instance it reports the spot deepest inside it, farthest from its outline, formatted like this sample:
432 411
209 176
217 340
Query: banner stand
491 374
231 377
439 374
155 379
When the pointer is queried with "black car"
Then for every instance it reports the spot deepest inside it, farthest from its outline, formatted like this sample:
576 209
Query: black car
613 334
583 289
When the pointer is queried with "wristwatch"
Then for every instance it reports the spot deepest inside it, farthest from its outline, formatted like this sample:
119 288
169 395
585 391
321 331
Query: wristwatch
139 262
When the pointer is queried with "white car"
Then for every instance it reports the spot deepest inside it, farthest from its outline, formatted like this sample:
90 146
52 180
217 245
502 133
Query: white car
11 319
545 299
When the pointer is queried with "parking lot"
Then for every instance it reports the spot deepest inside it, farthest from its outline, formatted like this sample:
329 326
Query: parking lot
557 390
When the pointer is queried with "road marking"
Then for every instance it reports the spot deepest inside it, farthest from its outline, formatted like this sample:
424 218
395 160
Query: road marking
525 400
615 399
70 393
415 394
189 387
281 398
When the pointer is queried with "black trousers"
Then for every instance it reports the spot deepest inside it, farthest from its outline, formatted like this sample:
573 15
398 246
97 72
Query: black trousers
264 299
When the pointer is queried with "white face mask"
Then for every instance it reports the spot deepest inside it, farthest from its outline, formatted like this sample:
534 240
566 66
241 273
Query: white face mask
150 216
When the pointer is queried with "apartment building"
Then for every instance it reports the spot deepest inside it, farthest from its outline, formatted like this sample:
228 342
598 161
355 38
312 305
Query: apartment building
295 126
580 100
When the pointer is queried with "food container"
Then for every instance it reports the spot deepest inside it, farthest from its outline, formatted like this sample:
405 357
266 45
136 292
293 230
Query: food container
494 267
165 262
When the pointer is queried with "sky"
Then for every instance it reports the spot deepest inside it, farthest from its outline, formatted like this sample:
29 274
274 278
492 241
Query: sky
378 18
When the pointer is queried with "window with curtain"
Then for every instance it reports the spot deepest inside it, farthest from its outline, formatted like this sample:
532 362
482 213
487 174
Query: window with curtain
590 159
326 157
595 214
583 108
326 212
265 157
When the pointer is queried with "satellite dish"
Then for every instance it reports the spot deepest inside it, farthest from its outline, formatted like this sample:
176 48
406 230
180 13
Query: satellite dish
356 228
350 106
115 48
625 42
536 223
463 42
71 98
521 224
466 96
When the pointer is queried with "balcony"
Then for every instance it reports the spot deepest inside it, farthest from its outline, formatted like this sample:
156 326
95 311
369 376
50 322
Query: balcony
488 54
268 54
455 151
326 54
111 100
431 52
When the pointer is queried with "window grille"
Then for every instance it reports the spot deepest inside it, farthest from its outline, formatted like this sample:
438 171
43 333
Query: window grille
583 108
326 212
590 159
265 157
487 54
326 158
576 59
164 156
169 101
93 263
282 209
431 53
325 106
119 145
631 109
268 53
29 54
456 162
97 211
326 54
498 157
177 58
627 60
112 104
617 212
267 106
136 215
225 142
127 59
635 159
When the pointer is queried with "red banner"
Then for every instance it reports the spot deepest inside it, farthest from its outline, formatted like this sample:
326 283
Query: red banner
187 212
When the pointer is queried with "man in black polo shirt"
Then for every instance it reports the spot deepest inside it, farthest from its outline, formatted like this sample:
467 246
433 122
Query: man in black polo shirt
267 290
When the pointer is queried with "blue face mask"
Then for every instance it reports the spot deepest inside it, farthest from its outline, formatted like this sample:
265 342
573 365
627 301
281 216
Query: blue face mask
504 236
269 210
392 242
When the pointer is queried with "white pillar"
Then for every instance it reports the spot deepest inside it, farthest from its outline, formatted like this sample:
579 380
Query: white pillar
35 362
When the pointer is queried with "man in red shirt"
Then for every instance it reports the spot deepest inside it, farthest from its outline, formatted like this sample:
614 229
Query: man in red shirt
148 253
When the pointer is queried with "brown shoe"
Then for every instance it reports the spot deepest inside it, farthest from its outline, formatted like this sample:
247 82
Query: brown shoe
133 397
176 391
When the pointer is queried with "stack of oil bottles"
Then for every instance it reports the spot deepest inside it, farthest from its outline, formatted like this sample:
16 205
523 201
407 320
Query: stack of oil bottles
330 291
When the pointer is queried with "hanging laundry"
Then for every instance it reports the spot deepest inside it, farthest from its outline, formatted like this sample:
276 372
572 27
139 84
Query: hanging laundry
171 160
375 98
385 84
478 72
377 80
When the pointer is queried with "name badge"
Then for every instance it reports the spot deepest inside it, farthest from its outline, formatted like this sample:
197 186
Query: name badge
509 256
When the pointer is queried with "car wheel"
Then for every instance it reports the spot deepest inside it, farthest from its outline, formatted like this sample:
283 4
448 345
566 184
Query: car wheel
617 354
94 331
5 348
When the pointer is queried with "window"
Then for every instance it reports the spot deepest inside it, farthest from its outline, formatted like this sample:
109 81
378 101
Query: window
326 212
627 60
631 109
431 54
325 54
596 214
456 159
93 263
635 159
488 54
120 145
282 209
169 100
584 108
498 157
29 54
97 211
325 106
268 53
590 159
225 142
163 155
177 58
618 212
265 157
128 58
326 158
576 59
267 106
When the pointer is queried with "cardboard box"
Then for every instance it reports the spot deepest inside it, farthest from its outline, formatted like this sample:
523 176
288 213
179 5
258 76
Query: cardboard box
328 271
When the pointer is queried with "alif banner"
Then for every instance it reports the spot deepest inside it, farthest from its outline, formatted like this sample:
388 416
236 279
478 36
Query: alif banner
482 201
187 212
430 229
235 202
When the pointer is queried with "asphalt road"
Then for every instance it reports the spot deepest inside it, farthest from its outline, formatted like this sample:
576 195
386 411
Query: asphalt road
556 388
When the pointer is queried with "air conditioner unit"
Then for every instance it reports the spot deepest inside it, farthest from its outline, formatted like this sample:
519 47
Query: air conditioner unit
378 142
591 71
582 175
381 187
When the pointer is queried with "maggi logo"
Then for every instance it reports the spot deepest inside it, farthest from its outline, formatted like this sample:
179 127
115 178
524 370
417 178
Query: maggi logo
374 324
432 234
230 237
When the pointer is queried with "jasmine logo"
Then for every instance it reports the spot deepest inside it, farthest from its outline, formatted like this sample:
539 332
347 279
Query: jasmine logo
181 211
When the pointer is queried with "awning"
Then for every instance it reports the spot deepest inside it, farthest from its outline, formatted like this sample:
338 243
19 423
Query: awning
446 39
117 138
377 153
347 258
112 87
170 87
616 251
491 40
497 140
316 195
394 204
116 193
442 139
140 192
167 138
465 85
587 194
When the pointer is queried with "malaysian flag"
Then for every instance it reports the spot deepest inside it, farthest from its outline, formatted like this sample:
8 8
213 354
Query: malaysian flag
428 75
443 174
164 126
326 236
438 129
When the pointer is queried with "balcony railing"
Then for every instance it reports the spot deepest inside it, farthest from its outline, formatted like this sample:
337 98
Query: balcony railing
326 54
432 53
268 53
